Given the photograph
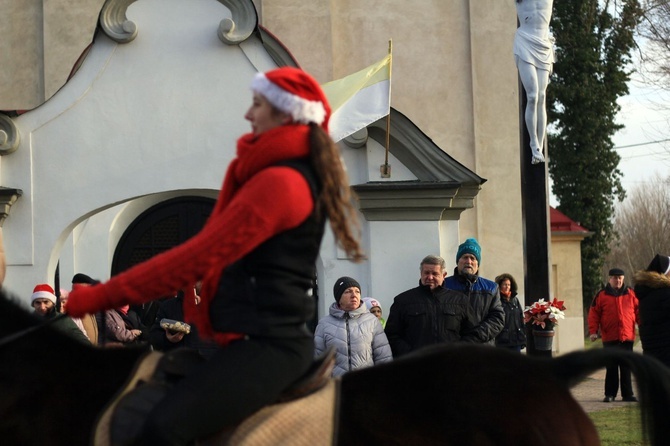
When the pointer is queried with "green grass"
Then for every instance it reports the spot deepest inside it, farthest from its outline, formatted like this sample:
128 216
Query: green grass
598 343
619 426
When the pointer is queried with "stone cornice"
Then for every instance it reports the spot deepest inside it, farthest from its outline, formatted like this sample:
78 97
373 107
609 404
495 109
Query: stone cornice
231 31
419 153
8 197
569 236
115 23
414 200
243 22
443 189
9 135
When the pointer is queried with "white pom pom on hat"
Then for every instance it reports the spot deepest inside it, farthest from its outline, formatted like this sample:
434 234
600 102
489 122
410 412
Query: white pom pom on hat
296 93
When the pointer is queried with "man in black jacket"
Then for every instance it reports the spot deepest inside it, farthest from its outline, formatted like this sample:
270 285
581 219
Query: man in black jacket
43 300
428 314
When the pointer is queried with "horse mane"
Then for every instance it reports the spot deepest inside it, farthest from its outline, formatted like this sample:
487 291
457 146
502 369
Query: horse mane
47 375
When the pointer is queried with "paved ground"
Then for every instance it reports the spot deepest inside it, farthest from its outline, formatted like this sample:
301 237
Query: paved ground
591 391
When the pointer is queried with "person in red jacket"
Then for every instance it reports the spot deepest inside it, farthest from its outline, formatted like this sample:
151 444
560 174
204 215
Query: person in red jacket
614 311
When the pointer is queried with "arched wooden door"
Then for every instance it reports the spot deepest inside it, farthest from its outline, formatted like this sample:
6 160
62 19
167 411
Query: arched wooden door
162 227
159 228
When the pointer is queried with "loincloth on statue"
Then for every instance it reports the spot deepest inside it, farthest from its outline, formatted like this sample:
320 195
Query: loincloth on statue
534 50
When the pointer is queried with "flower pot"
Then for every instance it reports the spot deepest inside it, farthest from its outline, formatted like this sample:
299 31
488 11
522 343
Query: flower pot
543 339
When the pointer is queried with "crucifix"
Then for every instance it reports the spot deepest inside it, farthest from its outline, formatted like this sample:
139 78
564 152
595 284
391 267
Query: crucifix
534 56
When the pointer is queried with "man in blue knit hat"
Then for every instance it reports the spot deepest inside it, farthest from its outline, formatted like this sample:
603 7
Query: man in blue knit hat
483 294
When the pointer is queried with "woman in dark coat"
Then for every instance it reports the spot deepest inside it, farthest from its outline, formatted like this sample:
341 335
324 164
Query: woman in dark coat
513 334
652 287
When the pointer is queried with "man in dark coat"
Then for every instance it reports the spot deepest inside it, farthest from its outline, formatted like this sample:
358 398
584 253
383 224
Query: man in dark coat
428 314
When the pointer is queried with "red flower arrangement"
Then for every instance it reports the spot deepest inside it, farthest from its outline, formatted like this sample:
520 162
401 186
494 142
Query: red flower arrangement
545 314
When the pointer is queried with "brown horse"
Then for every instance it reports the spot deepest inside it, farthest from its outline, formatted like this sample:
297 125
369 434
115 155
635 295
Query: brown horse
52 389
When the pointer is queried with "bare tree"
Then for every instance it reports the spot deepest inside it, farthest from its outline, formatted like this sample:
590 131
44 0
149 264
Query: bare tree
642 227
655 29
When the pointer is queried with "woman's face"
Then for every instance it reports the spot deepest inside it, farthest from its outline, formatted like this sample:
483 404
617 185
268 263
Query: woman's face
263 116
505 286
376 311
351 299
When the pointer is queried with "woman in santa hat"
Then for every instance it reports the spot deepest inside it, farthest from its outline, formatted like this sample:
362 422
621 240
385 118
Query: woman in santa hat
256 257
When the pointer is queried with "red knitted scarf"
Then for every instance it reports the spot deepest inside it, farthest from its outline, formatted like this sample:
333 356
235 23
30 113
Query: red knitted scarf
254 153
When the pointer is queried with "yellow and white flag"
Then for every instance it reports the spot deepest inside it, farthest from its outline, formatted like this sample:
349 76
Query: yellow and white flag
359 99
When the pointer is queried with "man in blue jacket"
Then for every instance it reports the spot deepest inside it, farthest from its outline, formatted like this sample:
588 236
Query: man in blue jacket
483 294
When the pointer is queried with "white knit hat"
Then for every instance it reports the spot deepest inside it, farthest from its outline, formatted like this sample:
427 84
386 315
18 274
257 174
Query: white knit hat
371 302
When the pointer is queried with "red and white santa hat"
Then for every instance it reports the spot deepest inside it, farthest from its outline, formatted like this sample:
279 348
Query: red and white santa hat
43 291
296 93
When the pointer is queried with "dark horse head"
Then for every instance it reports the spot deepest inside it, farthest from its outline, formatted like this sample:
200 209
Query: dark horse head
51 387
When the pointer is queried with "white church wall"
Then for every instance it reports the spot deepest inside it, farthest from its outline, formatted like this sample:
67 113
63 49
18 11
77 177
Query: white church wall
158 117
160 113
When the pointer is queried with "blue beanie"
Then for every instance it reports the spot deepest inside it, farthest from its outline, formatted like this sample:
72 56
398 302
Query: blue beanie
470 246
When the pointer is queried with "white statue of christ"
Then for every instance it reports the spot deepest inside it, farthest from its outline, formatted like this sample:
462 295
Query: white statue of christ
534 57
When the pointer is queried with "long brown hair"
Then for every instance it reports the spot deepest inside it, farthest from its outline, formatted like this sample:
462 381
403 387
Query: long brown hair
336 196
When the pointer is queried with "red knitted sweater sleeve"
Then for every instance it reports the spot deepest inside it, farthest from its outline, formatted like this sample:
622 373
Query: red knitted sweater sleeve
274 200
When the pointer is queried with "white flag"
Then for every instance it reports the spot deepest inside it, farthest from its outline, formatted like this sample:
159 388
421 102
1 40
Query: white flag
359 99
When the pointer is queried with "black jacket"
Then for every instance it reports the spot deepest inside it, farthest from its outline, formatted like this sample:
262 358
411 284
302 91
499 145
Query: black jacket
484 298
173 309
421 317
653 293
268 293
513 333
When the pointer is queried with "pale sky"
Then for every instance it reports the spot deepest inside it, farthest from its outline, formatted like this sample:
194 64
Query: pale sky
644 143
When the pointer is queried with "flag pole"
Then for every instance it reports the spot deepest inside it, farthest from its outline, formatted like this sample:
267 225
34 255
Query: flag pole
385 168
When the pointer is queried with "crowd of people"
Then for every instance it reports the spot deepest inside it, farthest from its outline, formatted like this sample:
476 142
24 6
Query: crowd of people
463 307
246 282
470 310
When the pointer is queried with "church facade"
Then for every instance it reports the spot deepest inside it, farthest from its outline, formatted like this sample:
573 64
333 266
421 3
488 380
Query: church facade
116 150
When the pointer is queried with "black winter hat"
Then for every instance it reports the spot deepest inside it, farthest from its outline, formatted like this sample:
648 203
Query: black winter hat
83 278
660 264
342 284
616 272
